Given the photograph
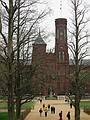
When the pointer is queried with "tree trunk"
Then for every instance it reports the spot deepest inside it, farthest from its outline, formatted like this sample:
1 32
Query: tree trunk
18 99
9 62
77 108
10 96
18 108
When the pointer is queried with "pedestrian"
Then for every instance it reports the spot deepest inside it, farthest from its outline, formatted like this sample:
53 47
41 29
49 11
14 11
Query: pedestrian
43 106
70 104
45 110
40 100
68 115
60 115
40 111
48 107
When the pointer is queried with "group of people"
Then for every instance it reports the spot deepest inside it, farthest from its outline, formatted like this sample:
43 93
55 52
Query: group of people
68 115
45 109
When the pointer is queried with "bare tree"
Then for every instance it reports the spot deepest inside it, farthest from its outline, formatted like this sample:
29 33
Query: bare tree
17 27
79 48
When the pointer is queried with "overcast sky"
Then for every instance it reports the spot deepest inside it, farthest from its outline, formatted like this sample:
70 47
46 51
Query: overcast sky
55 5
49 21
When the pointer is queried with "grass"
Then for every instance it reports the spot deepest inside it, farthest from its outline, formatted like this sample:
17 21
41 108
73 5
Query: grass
3 105
28 105
3 115
50 98
85 104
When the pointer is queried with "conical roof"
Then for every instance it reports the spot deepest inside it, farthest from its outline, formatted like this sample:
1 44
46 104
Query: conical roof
39 39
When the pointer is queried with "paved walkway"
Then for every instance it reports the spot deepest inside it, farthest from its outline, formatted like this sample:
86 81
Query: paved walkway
59 105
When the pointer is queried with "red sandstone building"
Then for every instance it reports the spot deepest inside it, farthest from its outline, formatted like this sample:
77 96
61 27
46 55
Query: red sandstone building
53 69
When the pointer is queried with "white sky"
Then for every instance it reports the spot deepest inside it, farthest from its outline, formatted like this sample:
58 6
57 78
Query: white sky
56 13
49 22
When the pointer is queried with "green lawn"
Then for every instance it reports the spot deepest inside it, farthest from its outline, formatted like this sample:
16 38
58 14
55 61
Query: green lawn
50 98
3 105
28 105
85 104
3 115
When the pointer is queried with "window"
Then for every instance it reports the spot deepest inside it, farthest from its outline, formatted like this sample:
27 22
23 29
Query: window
61 56
65 35
60 33
57 33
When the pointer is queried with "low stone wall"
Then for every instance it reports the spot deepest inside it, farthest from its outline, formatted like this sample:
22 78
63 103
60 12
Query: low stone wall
87 110
24 114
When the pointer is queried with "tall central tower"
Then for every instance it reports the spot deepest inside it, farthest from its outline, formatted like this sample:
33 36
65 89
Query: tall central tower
61 49
62 56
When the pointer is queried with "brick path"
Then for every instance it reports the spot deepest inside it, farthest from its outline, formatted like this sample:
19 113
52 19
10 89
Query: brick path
59 105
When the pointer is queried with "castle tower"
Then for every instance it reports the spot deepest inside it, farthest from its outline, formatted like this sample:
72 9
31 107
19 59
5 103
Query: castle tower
39 49
62 56
61 49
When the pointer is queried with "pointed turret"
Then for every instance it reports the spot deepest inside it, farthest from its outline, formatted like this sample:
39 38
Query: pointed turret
39 49
39 40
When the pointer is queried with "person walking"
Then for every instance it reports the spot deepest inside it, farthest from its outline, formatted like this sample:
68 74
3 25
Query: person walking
43 106
40 111
45 110
68 115
70 104
40 100
48 107
60 115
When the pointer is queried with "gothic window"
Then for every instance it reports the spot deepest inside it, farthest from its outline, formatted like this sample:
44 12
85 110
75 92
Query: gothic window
61 56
